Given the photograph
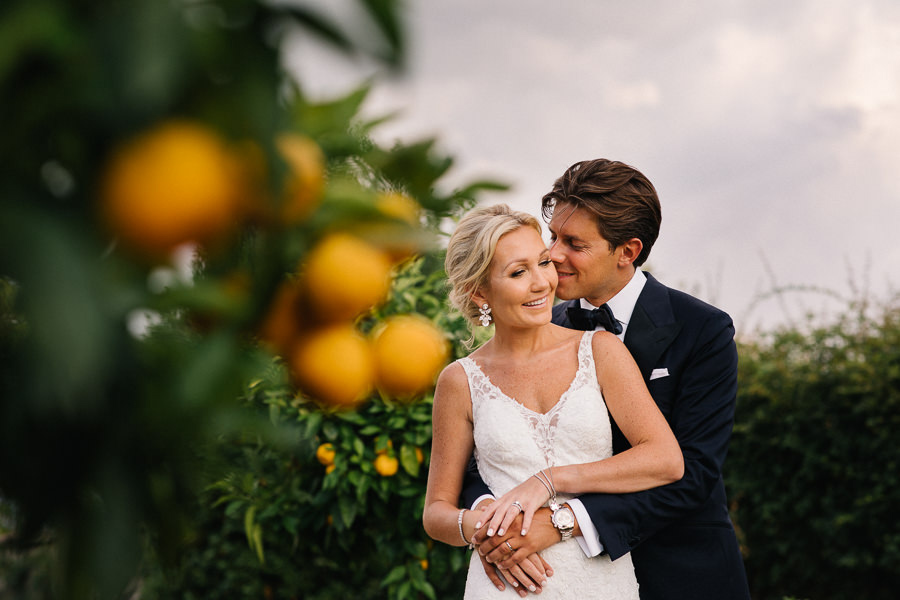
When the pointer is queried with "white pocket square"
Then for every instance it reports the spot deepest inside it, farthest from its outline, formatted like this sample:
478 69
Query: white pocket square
657 373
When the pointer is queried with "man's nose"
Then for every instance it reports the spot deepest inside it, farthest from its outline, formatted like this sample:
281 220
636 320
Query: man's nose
556 254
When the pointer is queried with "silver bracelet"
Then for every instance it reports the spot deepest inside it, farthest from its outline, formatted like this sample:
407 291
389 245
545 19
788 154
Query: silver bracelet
543 479
459 517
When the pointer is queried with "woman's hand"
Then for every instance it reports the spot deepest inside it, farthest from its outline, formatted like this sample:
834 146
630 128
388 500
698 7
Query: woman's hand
526 498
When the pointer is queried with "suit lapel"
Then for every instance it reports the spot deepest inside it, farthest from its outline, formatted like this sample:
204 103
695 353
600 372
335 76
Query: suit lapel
652 327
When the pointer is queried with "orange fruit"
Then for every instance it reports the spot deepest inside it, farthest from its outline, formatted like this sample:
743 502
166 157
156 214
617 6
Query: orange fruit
344 276
283 321
330 468
334 364
424 564
303 189
386 466
398 206
176 183
402 239
420 457
325 454
409 353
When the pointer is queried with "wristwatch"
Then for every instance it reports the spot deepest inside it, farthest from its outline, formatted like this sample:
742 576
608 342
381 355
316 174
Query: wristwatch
563 519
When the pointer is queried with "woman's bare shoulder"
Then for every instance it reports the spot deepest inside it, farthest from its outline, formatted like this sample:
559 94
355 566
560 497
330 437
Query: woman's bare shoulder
452 379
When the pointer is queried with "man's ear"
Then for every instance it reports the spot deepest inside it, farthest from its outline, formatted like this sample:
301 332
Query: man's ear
630 251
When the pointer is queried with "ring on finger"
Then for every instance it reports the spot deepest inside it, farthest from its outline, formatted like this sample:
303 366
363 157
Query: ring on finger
518 505
508 545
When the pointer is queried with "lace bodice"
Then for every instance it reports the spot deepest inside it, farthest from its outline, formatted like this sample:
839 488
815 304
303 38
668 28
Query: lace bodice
513 442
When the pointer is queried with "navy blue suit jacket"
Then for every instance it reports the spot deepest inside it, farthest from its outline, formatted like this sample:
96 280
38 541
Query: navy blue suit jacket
680 536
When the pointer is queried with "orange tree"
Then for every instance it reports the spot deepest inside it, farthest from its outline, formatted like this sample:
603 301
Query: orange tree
141 131
334 510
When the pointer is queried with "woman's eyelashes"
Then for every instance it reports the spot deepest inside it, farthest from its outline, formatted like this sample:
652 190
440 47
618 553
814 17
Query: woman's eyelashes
545 262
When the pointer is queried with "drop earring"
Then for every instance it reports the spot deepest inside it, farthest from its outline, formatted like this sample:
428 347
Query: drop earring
485 312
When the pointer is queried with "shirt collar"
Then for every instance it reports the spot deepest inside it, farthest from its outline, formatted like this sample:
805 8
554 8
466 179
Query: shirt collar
623 303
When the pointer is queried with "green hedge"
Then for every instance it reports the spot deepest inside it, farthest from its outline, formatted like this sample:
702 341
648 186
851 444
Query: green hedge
812 476
813 471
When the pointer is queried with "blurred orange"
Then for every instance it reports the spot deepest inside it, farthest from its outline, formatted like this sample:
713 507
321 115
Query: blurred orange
409 353
284 319
344 276
325 454
334 365
398 206
174 184
400 244
303 189
386 466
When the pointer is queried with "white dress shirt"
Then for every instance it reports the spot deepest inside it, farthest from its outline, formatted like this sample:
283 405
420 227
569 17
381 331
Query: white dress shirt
622 306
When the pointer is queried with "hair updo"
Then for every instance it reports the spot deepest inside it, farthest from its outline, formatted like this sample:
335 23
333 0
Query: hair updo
471 249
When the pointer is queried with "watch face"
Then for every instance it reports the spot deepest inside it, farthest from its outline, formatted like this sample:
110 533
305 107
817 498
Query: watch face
564 518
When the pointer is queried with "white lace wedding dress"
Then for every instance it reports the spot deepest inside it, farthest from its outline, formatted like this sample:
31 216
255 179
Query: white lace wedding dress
513 442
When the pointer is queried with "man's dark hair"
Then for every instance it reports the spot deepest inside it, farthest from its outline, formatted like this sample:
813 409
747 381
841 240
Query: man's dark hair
621 197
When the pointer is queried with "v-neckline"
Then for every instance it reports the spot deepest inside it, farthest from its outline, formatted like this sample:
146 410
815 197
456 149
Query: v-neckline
558 402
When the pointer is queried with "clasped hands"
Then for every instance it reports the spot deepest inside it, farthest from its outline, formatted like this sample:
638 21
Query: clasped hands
509 534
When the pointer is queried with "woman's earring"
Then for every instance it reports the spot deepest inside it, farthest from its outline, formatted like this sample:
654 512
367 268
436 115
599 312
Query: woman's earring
485 317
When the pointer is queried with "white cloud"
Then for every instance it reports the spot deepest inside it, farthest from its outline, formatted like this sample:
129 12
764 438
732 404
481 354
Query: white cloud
771 129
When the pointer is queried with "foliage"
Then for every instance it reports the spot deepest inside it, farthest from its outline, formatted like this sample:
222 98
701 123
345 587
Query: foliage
813 466
283 525
108 437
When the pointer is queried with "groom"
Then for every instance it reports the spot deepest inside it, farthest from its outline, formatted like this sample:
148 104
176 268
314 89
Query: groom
604 217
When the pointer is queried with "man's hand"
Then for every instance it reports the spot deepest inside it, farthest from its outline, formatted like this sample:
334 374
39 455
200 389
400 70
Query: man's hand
529 576
496 550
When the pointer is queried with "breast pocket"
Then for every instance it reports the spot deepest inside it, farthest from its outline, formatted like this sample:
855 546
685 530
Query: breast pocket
663 391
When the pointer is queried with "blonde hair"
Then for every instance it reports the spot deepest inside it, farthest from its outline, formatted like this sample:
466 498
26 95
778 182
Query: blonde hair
471 249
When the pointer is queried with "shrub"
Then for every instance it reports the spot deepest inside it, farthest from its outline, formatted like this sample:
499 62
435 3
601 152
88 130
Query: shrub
813 468
283 522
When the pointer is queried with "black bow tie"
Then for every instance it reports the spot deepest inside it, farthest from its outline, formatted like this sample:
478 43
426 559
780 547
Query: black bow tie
587 320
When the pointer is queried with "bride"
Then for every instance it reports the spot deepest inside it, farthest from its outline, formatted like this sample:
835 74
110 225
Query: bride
534 404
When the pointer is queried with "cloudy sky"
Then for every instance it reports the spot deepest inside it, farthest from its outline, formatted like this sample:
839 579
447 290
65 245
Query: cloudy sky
771 129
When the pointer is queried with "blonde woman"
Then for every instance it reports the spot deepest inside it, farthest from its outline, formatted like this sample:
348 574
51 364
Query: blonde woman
533 404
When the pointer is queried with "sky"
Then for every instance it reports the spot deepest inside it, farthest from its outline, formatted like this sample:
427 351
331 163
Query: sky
770 129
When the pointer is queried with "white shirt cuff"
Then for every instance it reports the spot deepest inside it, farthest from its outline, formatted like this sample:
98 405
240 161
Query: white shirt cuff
480 498
589 540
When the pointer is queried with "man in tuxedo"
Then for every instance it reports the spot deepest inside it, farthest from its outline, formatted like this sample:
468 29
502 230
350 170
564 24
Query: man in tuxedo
604 217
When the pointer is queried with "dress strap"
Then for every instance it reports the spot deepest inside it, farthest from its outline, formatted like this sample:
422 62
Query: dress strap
587 369
479 384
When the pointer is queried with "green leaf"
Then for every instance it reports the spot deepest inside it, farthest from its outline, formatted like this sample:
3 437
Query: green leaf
409 460
248 524
386 14
316 23
347 507
257 544
396 575
330 430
